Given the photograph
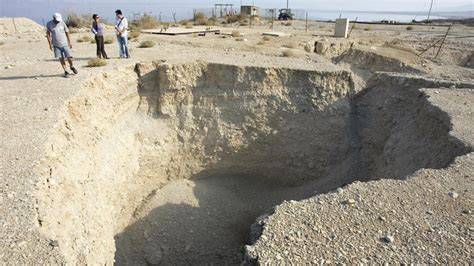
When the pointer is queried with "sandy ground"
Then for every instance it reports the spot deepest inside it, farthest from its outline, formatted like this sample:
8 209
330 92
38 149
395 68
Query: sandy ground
34 91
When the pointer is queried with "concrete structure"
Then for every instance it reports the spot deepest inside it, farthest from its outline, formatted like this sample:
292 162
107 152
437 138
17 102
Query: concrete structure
249 10
342 28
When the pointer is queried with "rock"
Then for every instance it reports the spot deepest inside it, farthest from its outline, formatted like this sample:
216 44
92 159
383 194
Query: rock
388 239
8 67
350 201
340 190
453 195
466 211
54 243
321 46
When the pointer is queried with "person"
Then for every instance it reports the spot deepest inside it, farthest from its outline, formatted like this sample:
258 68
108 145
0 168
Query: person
59 42
121 29
98 28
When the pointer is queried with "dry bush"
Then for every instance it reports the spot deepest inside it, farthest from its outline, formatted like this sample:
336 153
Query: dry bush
96 62
262 43
189 26
322 26
410 28
85 39
292 45
73 30
289 23
134 35
92 40
235 18
74 20
368 29
236 34
109 40
146 22
267 38
308 48
289 53
2 42
147 44
200 19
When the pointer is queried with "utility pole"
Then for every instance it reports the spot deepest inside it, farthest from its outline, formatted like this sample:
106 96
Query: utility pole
429 13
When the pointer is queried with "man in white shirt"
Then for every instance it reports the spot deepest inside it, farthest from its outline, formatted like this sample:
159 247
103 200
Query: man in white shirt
121 29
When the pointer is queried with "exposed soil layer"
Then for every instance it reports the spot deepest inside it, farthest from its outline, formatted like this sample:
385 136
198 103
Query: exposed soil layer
181 159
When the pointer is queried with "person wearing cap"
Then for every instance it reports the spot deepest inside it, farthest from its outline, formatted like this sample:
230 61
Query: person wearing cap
121 29
59 42
98 28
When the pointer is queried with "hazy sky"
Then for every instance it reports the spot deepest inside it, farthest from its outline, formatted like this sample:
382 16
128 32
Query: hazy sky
365 5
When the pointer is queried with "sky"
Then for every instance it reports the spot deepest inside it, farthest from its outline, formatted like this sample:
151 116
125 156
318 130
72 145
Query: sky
39 9
353 5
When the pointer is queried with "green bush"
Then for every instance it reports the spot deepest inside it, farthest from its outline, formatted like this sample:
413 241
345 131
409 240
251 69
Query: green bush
134 35
84 39
109 40
147 44
96 62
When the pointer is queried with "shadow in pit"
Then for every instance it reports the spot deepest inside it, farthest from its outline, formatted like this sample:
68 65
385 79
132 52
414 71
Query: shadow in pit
200 222
394 130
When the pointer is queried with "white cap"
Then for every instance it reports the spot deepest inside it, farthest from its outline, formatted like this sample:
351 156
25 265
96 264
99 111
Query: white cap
58 17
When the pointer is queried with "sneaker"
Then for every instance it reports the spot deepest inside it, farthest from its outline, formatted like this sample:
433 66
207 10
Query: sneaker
74 70
66 74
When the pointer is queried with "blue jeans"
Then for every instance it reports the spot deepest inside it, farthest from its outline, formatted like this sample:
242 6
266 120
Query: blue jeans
123 46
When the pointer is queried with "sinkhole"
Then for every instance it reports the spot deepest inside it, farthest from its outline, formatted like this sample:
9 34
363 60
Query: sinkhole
172 163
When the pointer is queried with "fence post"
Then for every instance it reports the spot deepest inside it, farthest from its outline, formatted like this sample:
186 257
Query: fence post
306 21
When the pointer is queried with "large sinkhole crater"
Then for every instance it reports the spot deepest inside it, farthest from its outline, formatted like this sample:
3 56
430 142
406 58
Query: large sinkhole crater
172 164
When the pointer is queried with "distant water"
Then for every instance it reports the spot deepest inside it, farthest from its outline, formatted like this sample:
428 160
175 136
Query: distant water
43 11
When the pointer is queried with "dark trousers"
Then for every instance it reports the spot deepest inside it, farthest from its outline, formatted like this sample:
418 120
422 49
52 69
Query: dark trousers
99 41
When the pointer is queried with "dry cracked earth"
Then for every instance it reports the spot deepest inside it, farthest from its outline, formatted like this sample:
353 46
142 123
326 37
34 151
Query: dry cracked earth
212 150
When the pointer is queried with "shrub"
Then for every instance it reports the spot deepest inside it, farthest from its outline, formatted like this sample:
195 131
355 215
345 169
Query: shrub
189 26
292 45
73 30
368 29
96 62
133 35
78 21
2 43
288 23
235 18
289 53
262 43
236 34
84 39
147 44
109 40
145 22
410 28
267 38
200 16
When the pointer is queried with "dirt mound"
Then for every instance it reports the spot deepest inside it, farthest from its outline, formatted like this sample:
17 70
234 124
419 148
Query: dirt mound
14 26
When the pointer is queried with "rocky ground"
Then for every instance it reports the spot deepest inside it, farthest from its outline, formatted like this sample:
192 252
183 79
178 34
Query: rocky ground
424 219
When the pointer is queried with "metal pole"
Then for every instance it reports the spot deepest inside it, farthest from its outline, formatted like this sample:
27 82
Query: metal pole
353 26
14 25
273 16
287 4
444 39
429 13
306 21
